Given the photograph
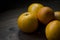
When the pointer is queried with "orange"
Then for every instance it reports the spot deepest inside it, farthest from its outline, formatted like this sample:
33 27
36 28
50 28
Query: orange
45 15
57 15
52 30
34 7
27 22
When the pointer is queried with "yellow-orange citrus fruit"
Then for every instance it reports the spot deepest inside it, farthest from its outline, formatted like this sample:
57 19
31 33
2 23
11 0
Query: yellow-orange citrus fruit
45 15
34 7
27 22
57 15
53 30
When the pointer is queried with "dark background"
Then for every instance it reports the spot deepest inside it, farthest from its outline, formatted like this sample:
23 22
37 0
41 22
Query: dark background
9 12
11 4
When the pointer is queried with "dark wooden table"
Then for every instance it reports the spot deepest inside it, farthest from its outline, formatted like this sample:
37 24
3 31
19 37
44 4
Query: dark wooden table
9 29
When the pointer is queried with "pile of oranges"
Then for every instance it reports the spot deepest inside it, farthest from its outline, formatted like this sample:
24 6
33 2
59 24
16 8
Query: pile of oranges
28 21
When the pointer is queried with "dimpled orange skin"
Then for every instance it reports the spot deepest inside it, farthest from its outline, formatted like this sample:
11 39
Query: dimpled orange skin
27 22
34 7
52 30
45 15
